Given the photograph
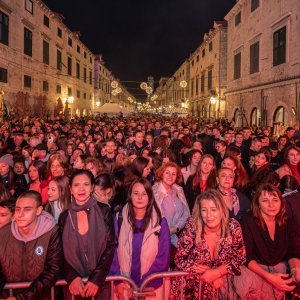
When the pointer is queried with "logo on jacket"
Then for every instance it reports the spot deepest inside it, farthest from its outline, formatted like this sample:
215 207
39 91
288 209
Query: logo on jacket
39 250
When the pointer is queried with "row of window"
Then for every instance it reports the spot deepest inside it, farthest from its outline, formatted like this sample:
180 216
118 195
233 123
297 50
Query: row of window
195 87
238 17
210 48
4 35
28 84
279 54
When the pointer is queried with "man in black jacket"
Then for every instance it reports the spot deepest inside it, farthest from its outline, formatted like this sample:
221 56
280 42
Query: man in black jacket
30 249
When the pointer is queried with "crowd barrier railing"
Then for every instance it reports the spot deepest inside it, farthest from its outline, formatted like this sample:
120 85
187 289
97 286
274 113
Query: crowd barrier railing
139 293
111 279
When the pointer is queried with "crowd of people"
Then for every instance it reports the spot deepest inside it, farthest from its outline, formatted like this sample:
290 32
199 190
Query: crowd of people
142 194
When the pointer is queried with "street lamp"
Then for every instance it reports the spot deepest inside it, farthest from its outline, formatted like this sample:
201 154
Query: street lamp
68 101
213 100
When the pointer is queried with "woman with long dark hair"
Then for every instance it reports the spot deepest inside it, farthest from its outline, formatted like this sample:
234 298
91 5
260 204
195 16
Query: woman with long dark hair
88 227
291 163
204 178
143 239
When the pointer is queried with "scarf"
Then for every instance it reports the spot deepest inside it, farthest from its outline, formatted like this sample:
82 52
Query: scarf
149 245
83 252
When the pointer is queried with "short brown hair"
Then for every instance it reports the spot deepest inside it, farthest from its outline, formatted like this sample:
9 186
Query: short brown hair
160 171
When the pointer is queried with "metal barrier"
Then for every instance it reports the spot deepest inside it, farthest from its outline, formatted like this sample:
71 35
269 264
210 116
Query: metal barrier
164 276
111 279
138 293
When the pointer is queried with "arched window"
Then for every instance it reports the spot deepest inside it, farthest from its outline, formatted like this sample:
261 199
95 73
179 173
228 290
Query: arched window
203 111
236 115
280 116
254 116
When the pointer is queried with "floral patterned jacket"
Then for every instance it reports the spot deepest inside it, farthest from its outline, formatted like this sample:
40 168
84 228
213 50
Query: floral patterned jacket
231 253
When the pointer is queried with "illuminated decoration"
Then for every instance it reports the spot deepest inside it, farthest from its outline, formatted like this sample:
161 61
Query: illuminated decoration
213 100
114 92
114 84
183 84
143 85
154 97
98 103
149 90
118 90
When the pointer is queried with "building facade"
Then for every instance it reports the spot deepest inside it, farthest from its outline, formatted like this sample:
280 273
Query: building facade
205 74
263 70
44 67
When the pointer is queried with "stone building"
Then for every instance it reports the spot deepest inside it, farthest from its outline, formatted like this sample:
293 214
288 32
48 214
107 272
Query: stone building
42 62
205 75
263 70
44 67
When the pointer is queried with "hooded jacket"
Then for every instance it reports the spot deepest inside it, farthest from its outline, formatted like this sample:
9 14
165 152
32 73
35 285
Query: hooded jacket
36 258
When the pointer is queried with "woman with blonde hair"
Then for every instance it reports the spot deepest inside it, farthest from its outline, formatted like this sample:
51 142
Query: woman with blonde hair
211 248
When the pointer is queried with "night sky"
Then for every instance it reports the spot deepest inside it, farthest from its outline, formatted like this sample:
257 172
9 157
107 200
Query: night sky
140 38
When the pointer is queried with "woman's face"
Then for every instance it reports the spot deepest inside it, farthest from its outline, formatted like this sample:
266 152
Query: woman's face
294 157
19 168
139 197
4 169
269 204
229 163
78 163
53 191
211 215
207 165
260 160
82 146
195 159
169 176
25 153
147 170
33 173
69 150
92 147
102 195
81 189
92 168
56 169
119 136
225 179
220 148
132 157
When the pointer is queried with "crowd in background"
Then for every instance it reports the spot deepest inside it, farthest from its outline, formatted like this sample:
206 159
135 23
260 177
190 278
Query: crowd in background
142 194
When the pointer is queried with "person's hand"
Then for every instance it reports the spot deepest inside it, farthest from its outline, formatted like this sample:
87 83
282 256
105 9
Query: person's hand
200 269
90 289
281 281
218 283
121 289
173 229
76 287
210 275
